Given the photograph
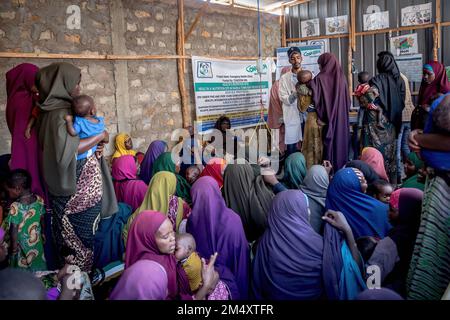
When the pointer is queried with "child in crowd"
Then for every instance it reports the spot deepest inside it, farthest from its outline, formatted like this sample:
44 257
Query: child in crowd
190 260
192 174
382 190
85 124
24 223
366 96
303 92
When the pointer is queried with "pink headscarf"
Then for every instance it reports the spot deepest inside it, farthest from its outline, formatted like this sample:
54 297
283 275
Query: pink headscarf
127 187
375 159
395 199
141 245
144 280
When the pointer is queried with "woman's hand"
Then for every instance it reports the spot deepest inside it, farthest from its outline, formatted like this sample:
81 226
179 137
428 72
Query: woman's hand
210 278
337 220
320 123
328 166
412 141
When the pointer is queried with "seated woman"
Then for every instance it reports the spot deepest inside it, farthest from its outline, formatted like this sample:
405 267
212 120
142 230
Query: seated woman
124 146
294 171
369 174
128 188
155 149
165 162
161 197
292 259
152 238
413 166
217 228
375 159
365 215
215 169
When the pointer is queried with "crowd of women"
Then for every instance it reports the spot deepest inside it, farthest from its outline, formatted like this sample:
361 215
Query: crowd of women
152 227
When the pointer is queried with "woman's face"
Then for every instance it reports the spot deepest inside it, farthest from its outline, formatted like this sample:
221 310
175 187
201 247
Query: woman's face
77 90
362 180
428 76
129 144
410 168
165 238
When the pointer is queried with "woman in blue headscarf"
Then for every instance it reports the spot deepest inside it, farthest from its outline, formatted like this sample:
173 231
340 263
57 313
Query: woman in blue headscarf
365 215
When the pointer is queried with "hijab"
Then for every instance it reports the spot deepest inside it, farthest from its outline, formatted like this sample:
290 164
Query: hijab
128 188
315 186
121 150
368 172
155 149
295 170
365 215
332 102
412 182
379 294
165 163
440 84
144 280
217 228
141 245
391 88
214 169
288 261
247 195
375 159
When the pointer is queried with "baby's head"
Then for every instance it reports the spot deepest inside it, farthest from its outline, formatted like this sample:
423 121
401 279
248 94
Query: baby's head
363 77
304 76
382 190
366 246
83 106
18 183
192 174
441 116
185 245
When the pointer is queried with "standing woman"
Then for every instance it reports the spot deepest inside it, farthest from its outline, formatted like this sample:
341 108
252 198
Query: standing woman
391 100
22 94
332 102
434 83
80 191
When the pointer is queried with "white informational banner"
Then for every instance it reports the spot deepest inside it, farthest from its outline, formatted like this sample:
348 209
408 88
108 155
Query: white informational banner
416 15
336 25
310 54
406 44
376 20
310 28
411 66
231 88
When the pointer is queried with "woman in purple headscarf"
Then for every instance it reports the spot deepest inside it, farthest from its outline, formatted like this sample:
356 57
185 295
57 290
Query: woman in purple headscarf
155 149
22 93
332 101
217 228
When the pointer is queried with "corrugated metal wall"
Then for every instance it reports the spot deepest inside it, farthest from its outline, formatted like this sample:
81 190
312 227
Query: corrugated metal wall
368 46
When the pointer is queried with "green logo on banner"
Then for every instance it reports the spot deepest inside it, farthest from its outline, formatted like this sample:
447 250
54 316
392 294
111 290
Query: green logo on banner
253 68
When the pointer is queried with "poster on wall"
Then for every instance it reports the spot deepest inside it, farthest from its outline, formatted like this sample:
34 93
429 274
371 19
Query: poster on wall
310 28
336 25
406 44
310 54
448 72
376 20
411 66
230 87
317 42
416 15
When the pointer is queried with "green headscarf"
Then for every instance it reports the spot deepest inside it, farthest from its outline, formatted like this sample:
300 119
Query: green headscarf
165 163
295 170
412 182
414 158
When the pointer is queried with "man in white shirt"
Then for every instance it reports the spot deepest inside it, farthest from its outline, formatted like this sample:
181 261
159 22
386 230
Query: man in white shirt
288 95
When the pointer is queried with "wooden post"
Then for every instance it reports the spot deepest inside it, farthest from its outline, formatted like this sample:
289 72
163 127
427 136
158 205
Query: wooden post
283 26
185 112
437 31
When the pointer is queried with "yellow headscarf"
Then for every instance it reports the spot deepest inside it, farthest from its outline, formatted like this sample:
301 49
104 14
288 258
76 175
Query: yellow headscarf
193 268
162 186
121 150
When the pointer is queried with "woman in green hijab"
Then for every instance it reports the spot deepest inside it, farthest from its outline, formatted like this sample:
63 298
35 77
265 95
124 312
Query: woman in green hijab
294 171
412 166
165 163
81 192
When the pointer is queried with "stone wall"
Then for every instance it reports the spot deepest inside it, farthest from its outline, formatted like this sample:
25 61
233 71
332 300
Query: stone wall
153 109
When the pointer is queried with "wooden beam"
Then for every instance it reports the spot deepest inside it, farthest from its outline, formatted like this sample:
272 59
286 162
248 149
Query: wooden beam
334 36
353 24
196 20
438 31
387 30
185 112
445 24
283 26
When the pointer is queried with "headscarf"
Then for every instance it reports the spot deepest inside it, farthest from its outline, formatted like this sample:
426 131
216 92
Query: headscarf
375 159
217 228
247 195
295 170
414 158
391 88
128 188
332 102
368 172
365 215
55 83
288 261
155 149
440 84
141 245
412 182
214 169
315 186
144 280
121 150
379 294
165 163
25 153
